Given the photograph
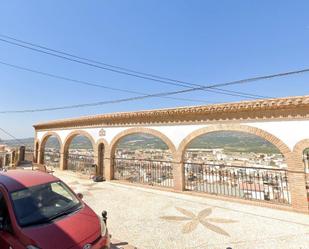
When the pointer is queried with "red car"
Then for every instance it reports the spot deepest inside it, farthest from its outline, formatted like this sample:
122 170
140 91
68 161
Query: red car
39 211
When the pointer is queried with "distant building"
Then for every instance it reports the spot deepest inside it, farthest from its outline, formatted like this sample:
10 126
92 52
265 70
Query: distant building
5 155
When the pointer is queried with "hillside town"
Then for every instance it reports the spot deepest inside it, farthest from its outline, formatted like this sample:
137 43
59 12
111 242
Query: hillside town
250 175
154 124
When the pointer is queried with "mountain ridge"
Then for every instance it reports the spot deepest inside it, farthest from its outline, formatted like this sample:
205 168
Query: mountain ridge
228 140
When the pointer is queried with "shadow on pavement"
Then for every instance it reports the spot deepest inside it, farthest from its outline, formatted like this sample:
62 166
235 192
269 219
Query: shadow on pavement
121 245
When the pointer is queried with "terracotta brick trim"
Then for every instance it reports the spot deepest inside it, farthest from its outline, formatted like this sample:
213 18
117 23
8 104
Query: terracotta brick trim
299 163
47 135
298 153
72 135
283 148
36 150
42 144
301 146
101 141
136 130
67 142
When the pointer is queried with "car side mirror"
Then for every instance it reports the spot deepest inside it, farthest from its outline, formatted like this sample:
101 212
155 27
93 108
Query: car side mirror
80 196
104 216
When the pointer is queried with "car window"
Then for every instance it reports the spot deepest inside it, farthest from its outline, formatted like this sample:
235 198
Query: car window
58 189
43 203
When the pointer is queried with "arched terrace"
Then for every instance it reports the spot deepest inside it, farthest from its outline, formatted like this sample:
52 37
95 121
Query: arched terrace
283 122
50 148
236 161
143 156
79 153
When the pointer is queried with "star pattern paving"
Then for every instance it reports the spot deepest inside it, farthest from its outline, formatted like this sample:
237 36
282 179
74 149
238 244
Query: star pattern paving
201 218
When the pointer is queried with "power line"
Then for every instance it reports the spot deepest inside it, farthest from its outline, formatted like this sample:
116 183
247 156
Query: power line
230 93
96 103
121 70
243 81
12 136
87 83
91 64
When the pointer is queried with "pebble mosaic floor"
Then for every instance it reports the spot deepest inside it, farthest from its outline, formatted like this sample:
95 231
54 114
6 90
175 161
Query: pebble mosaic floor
153 219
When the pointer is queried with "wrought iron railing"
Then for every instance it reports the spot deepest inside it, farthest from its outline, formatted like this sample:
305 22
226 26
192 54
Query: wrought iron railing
81 163
151 172
52 159
262 184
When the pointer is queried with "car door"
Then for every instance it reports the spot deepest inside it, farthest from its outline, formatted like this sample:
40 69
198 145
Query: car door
7 238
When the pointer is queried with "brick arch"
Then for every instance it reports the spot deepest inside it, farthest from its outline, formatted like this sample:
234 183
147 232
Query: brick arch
68 140
300 166
101 141
283 148
44 139
97 144
298 153
137 130
113 145
36 150
75 133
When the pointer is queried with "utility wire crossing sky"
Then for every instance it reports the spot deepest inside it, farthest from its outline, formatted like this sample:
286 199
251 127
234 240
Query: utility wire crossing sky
101 57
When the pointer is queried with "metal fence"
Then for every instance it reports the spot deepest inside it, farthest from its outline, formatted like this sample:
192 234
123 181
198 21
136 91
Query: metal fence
52 158
252 183
151 172
81 163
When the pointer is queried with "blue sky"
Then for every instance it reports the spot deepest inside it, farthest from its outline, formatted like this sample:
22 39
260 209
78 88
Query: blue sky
203 42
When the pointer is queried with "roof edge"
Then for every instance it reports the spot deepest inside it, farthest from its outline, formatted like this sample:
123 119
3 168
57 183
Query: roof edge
167 115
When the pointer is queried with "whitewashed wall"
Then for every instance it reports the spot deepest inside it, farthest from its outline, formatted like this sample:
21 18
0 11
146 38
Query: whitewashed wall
289 132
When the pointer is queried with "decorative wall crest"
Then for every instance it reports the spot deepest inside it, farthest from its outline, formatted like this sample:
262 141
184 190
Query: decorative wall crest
102 132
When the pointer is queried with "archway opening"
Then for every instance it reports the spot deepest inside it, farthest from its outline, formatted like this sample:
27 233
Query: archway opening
101 151
80 155
237 164
143 158
51 152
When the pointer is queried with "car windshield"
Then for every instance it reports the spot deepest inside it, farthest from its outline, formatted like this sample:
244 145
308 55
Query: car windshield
43 203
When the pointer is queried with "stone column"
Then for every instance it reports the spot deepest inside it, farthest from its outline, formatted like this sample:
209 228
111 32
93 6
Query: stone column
100 150
96 162
297 183
40 156
179 176
63 162
12 159
4 160
298 191
108 169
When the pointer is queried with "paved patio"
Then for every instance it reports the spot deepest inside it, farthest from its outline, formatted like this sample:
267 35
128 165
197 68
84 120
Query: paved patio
153 219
